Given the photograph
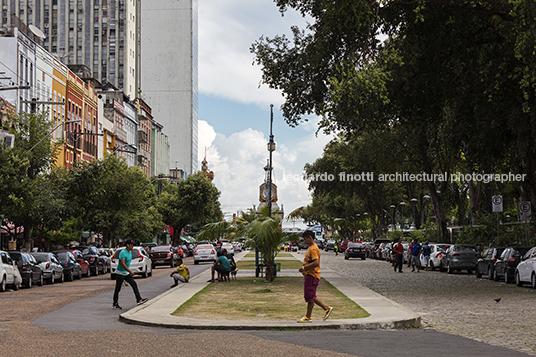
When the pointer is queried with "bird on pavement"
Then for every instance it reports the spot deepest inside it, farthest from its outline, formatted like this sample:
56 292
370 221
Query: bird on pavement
497 300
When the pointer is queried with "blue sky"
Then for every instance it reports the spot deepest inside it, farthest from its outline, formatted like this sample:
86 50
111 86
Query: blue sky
234 111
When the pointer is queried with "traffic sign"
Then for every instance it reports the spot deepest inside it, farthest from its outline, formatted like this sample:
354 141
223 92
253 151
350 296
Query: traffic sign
525 210
497 202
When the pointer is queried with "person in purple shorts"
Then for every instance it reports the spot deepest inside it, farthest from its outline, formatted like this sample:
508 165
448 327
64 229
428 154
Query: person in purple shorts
311 272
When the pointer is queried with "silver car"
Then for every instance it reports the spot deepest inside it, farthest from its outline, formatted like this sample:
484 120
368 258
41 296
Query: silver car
204 253
51 267
460 257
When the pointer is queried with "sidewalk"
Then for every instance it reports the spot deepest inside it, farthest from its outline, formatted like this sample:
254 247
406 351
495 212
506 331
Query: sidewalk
384 313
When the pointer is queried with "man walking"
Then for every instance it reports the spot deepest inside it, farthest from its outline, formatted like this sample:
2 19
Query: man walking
415 255
398 249
123 273
426 252
311 272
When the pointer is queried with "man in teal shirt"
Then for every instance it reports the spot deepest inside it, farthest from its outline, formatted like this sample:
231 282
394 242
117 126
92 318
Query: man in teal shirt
123 273
222 266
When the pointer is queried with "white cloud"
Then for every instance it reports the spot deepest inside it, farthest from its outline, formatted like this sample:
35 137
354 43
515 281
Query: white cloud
227 29
238 161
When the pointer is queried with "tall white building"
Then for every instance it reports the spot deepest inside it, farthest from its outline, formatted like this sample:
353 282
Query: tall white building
169 74
101 34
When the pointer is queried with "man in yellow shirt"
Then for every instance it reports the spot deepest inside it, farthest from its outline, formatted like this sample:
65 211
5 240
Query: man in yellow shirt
181 274
311 272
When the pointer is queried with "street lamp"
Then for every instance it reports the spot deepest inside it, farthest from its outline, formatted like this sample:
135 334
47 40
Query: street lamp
413 203
271 148
393 210
427 198
358 217
402 204
50 132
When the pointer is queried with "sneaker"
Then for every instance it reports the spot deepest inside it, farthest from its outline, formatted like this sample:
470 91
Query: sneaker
116 307
327 312
143 301
305 319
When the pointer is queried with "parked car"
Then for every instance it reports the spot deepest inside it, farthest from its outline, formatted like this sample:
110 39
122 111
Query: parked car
92 256
140 263
204 252
330 245
343 245
505 266
106 257
71 268
526 269
163 255
51 266
302 245
85 267
374 249
229 247
29 269
319 243
486 263
437 252
237 246
355 250
459 257
9 272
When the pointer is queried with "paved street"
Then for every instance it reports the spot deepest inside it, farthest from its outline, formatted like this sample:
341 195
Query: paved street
458 304
76 318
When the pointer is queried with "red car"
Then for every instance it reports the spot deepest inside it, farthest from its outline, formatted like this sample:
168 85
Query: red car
84 265
343 246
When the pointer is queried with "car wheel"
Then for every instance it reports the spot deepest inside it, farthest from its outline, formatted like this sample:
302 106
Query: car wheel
495 275
518 279
346 257
70 276
41 280
51 280
144 274
196 262
469 271
62 277
79 274
449 269
507 278
432 266
533 281
150 272
96 271
3 284
29 283
88 272
363 258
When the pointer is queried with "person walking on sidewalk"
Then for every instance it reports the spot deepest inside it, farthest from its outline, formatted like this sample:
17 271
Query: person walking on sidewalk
426 252
181 273
311 272
398 250
416 256
123 273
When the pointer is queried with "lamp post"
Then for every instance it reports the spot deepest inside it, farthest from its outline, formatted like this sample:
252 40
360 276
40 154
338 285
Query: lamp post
50 132
358 217
271 148
427 198
393 210
402 204
413 203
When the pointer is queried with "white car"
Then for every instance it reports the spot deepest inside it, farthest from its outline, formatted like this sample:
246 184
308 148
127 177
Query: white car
438 249
237 246
204 253
140 263
229 247
9 272
526 269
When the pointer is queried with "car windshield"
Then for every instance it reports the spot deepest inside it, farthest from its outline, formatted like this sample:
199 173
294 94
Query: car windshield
464 248
62 255
205 247
41 258
162 248
355 245
442 248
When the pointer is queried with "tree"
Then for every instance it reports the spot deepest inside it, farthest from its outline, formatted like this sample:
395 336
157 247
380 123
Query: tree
192 201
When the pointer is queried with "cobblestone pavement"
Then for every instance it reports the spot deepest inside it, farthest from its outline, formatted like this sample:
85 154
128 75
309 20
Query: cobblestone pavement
459 303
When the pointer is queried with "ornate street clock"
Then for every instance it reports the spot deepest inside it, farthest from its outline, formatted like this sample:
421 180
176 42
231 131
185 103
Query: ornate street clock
263 192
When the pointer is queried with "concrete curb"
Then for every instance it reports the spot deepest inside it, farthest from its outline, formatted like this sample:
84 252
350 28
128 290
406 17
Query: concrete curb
384 313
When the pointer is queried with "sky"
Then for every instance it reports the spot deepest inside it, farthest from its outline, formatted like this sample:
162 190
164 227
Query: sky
234 108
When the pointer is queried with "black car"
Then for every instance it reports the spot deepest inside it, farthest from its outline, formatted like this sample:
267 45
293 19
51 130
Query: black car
28 267
93 257
355 250
319 243
486 264
505 266
71 268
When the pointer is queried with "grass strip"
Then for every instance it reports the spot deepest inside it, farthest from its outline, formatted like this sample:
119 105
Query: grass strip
254 299
280 255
